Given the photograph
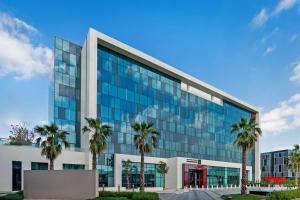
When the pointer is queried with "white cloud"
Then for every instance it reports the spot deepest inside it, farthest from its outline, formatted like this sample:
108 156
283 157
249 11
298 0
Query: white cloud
283 118
261 18
284 5
270 49
19 56
296 73
294 37
267 37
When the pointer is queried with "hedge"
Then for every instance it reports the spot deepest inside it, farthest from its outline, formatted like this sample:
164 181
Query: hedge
13 196
283 195
111 198
145 196
104 195
116 194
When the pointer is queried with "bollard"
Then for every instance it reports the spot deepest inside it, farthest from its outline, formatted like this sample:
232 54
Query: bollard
118 187
202 187
102 187
132 187
217 186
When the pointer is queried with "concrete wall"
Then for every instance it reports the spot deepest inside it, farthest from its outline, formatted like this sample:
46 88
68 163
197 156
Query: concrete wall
61 184
26 155
88 90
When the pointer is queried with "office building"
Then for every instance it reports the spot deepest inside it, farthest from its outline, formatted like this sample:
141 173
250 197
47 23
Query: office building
110 80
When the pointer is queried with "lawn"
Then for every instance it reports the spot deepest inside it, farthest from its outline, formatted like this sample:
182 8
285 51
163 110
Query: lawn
244 197
13 196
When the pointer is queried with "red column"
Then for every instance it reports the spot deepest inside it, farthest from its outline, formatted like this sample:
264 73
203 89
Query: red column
204 177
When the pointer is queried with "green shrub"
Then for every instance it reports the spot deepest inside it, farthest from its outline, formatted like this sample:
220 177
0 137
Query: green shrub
145 196
283 195
111 198
104 195
116 194
289 183
13 196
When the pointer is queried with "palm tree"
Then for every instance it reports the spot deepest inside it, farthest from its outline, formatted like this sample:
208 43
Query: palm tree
247 134
145 140
163 170
294 162
100 133
51 141
127 171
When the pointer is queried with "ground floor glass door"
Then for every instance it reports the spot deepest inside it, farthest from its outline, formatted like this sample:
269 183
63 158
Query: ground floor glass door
16 175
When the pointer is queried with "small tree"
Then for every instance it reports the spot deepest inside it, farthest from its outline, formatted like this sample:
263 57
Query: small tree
294 162
145 140
20 135
127 170
51 141
163 170
98 141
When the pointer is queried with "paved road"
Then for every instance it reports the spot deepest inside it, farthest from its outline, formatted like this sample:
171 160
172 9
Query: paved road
191 195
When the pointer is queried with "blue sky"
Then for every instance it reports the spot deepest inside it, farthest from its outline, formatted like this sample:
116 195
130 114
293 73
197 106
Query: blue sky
250 49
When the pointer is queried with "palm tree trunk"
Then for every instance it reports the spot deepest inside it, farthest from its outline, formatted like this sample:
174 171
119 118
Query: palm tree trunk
244 172
128 184
164 176
142 176
296 179
51 164
94 161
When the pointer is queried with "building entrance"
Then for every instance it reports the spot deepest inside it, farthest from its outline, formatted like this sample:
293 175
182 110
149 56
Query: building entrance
194 175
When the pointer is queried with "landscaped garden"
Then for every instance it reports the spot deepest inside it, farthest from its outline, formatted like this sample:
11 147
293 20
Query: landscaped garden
102 196
127 196
276 195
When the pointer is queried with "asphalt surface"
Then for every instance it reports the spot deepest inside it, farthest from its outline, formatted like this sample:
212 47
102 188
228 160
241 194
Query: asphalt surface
191 195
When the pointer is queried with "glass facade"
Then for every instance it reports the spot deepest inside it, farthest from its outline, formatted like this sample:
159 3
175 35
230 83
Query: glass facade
72 167
39 166
190 126
105 166
65 89
222 176
152 177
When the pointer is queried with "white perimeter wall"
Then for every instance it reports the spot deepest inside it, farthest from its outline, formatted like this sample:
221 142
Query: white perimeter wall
26 155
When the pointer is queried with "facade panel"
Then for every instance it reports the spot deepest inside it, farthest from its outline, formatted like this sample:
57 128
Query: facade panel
65 89
190 126
275 164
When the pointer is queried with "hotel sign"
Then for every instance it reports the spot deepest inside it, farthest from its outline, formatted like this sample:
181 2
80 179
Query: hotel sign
196 161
